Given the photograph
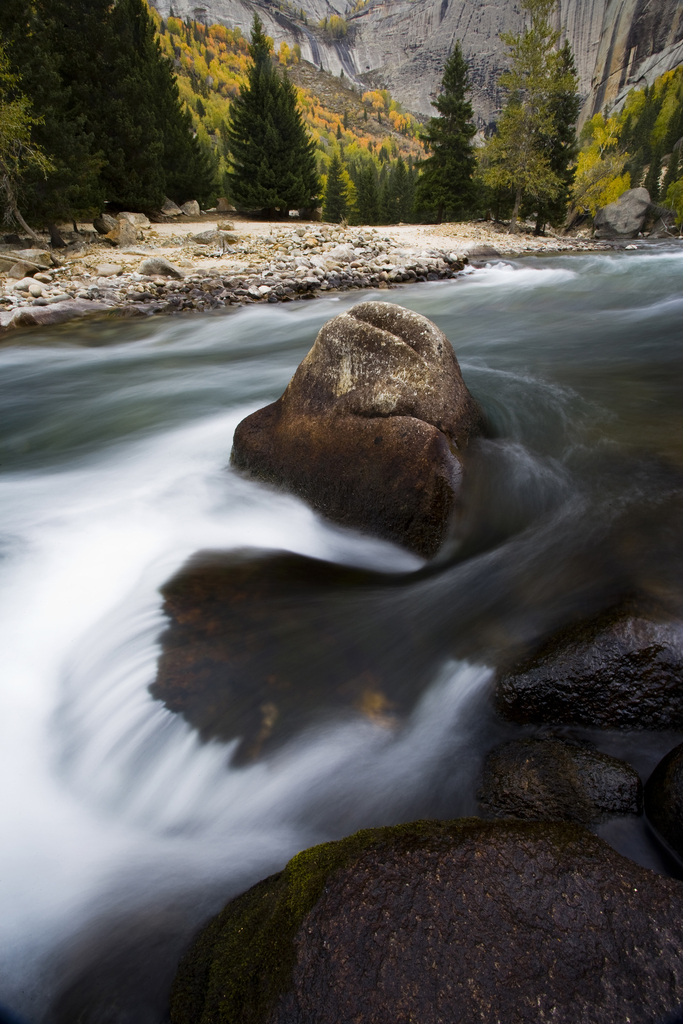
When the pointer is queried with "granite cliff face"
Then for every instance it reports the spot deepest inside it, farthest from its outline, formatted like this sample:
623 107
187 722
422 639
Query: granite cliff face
403 44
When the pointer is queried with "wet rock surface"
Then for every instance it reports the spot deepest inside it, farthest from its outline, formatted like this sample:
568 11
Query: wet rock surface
260 643
550 779
621 670
372 428
664 799
444 921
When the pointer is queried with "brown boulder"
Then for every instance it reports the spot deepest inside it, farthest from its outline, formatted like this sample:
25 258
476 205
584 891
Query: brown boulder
372 427
621 670
550 779
444 921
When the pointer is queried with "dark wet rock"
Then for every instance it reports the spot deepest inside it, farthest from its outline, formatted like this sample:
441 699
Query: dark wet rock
664 799
261 644
550 779
372 428
618 671
436 921
625 217
55 313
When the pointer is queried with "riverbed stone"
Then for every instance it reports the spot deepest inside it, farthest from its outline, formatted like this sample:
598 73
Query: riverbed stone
159 265
373 427
444 921
621 670
625 217
664 799
551 779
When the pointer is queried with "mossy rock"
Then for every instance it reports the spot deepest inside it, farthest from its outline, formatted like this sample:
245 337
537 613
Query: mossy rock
458 920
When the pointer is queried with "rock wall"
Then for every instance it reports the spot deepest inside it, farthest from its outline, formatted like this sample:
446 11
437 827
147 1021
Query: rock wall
403 44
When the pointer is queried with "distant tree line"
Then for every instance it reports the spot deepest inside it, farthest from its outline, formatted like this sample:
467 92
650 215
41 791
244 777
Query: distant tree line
106 116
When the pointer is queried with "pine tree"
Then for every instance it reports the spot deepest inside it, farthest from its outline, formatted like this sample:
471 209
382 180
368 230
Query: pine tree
401 190
273 162
367 197
561 146
335 204
517 156
146 135
446 179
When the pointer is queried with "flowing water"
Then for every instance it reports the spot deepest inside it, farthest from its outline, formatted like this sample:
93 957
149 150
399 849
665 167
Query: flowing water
122 830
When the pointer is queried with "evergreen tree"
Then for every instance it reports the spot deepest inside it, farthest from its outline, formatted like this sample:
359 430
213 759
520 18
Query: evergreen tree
386 211
273 163
401 191
146 135
56 46
561 146
367 197
335 204
518 156
446 179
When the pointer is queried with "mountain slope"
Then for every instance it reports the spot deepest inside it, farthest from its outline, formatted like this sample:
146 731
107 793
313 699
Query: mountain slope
403 44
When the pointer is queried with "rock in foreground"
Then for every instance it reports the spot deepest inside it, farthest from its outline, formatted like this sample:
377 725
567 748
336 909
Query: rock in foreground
619 671
664 799
553 780
372 427
444 921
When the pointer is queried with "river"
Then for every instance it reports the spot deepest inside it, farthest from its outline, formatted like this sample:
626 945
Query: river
122 831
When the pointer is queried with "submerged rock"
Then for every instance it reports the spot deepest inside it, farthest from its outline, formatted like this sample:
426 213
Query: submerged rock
618 671
625 217
261 644
664 799
444 921
553 780
372 428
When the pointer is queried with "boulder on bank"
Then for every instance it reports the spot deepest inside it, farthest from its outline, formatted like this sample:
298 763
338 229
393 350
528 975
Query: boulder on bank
190 208
625 217
125 232
104 223
550 779
170 209
372 428
160 266
444 921
664 799
618 671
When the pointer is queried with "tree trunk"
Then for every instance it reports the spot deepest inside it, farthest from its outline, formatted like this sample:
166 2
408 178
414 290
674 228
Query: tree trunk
515 213
55 237
540 223
439 213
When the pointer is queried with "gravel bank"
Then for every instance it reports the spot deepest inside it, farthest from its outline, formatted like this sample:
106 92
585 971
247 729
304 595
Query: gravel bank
210 264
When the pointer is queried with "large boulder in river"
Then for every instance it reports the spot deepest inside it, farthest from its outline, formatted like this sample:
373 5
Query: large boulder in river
664 799
550 779
372 428
625 217
437 921
618 671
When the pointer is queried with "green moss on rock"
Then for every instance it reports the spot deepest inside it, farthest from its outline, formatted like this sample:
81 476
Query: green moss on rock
244 959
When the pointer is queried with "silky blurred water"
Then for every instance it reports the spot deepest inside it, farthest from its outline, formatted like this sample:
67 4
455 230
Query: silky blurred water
122 832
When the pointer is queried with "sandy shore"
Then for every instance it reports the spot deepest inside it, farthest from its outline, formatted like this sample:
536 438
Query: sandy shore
209 263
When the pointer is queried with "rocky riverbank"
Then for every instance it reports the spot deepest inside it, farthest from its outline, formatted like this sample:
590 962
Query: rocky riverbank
207 263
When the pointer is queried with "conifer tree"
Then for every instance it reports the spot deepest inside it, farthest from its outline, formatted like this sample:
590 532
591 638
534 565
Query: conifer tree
335 204
446 179
561 146
273 162
367 197
517 156
146 135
